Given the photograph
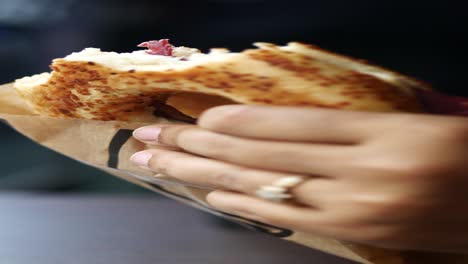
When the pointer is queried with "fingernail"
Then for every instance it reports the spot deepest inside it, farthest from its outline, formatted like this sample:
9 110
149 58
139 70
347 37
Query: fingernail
147 133
141 158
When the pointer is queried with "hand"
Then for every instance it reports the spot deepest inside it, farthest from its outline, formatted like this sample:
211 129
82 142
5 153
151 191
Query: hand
389 180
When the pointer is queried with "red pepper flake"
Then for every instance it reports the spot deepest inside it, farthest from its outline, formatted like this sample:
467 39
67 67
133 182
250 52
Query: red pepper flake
158 47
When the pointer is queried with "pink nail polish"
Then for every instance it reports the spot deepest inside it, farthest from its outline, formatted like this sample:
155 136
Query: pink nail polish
147 134
141 158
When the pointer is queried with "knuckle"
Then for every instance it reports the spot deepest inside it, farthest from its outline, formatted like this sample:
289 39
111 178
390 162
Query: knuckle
170 135
161 162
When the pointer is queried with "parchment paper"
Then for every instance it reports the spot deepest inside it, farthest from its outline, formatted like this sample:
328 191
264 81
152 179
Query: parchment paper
108 145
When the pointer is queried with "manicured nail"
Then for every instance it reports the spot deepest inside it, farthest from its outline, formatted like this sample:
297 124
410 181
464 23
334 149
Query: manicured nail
141 158
147 133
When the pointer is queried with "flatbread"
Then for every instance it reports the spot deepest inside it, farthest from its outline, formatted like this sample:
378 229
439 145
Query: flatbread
129 86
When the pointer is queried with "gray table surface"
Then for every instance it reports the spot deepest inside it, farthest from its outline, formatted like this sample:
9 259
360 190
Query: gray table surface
62 229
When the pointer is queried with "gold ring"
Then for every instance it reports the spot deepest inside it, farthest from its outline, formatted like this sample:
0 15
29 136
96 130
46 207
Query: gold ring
279 190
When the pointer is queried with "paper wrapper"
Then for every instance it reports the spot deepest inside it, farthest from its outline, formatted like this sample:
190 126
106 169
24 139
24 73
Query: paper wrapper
109 145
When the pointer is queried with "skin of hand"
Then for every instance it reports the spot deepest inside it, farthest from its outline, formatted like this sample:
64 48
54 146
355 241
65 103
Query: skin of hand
386 179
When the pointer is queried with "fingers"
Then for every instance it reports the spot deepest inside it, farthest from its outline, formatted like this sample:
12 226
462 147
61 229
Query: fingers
284 215
150 134
290 123
318 222
220 175
290 216
319 215
206 172
312 159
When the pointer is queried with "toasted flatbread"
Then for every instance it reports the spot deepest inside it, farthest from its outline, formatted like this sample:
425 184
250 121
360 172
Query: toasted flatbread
132 86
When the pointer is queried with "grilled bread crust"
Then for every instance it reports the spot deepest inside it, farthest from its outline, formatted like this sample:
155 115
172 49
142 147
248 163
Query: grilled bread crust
293 75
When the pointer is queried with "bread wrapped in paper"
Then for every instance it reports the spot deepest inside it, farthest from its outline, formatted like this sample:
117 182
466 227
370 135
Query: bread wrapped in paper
180 83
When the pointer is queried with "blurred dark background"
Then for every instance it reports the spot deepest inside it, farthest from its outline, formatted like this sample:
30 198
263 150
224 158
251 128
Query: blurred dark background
423 39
